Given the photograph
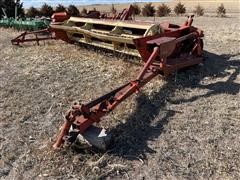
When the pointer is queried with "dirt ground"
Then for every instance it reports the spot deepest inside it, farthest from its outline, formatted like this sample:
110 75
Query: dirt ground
183 127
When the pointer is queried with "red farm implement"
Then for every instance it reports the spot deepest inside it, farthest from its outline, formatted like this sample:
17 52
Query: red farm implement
124 15
164 48
175 48
41 35
36 36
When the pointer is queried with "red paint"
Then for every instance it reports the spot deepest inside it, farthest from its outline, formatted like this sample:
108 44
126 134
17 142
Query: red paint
162 54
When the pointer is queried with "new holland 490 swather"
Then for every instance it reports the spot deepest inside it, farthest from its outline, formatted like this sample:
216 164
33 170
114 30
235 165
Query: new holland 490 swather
164 48
172 48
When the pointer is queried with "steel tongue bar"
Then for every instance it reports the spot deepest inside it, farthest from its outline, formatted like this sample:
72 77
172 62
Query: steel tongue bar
33 36
82 116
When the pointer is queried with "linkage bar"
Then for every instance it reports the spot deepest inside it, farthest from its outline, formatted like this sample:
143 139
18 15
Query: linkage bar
40 35
81 116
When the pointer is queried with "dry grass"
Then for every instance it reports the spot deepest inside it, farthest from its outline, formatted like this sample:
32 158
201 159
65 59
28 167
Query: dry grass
184 127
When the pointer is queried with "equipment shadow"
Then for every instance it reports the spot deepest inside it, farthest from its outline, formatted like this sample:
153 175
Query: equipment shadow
151 115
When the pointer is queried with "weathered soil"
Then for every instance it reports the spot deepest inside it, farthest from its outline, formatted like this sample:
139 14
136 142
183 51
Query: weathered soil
183 127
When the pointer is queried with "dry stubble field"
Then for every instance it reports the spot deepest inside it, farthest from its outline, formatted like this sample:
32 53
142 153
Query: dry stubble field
210 6
184 127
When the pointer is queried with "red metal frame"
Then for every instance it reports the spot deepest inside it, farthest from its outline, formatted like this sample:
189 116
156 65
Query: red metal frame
37 36
45 34
125 14
162 54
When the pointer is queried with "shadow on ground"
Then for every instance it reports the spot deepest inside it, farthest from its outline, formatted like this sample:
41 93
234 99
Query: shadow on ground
131 138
